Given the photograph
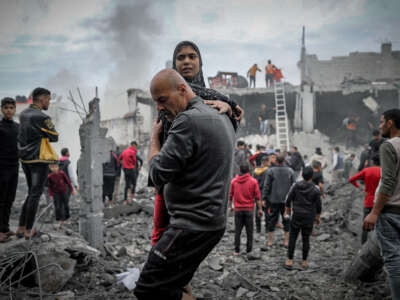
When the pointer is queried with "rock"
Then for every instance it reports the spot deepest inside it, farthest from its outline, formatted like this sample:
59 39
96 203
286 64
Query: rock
214 263
240 292
323 237
67 295
122 251
107 280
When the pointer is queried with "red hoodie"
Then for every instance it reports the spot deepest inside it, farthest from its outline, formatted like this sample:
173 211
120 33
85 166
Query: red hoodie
128 158
371 177
244 191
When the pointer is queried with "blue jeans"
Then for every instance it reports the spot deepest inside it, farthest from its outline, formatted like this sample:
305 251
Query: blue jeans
388 234
264 127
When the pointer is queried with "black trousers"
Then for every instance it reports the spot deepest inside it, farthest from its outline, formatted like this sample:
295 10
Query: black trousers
305 225
276 209
364 235
258 218
130 181
8 188
252 81
244 219
61 206
172 262
108 187
36 175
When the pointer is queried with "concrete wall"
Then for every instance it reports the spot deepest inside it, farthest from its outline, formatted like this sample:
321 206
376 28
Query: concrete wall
368 65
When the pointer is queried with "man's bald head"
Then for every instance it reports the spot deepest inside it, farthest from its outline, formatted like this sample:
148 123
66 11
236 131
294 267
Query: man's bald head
167 78
171 92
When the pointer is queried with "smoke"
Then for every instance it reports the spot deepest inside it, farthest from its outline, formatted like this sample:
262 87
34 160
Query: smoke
131 33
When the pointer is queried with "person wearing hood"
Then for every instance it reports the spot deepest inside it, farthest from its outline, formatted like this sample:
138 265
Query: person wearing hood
304 202
259 175
187 62
243 193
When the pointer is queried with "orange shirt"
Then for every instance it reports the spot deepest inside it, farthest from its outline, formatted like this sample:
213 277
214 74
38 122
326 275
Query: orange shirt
269 69
253 70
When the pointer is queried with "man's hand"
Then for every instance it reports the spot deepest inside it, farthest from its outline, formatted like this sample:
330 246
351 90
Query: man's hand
318 220
77 188
157 128
155 145
51 198
221 106
260 213
370 221
73 192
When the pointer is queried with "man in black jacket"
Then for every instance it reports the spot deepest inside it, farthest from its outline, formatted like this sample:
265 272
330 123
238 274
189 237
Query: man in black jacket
35 152
194 166
278 181
8 165
304 201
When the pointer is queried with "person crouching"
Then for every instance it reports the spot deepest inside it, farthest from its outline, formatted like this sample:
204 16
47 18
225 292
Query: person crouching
244 192
58 182
304 201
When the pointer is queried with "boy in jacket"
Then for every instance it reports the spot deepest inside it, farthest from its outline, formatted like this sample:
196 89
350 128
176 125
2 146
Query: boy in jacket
304 201
244 192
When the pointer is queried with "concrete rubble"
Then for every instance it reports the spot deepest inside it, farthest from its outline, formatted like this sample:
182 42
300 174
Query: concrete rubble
88 273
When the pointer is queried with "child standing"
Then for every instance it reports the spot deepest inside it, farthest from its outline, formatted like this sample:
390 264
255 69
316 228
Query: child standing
58 182
304 200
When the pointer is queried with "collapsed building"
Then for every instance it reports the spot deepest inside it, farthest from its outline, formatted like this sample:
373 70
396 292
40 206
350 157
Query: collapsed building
361 85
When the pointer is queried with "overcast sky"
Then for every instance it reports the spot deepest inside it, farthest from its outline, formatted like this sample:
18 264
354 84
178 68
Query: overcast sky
121 44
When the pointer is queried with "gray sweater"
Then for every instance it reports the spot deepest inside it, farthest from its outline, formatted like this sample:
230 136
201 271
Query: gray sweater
195 165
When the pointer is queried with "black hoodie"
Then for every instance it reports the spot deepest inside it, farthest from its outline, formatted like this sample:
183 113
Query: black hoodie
305 198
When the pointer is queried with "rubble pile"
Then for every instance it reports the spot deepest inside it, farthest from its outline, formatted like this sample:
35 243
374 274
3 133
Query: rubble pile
222 275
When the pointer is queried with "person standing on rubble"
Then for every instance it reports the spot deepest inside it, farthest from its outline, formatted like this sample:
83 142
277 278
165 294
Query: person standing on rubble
251 73
239 157
371 177
296 162
269 74
337 165
8 165
60 188
193 166
259 175
278 181
385 213
304 203
110 172
187 62
318 156
129 163
348 166
36 153
117 178
65 165
244 192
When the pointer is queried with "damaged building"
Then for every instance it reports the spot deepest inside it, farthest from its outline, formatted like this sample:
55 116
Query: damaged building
360 85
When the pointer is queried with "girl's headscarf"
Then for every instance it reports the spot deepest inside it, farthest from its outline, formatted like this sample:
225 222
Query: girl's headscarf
198 79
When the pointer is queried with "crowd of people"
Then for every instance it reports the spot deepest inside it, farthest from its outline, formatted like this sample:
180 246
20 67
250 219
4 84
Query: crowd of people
28 143
191 158
272 74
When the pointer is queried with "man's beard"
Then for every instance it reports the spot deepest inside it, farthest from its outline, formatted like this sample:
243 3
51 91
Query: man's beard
386 135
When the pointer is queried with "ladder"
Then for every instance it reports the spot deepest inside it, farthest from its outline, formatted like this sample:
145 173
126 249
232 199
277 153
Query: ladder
281 119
